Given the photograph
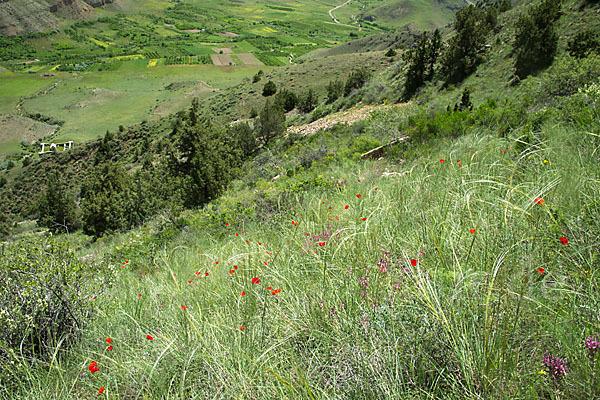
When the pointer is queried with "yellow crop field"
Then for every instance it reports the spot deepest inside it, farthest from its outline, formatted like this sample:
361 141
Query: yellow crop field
152 62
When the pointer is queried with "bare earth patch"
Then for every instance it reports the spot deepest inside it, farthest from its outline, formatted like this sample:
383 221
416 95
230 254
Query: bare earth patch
17 128
348 117
224 50
227 34
249 59
221 59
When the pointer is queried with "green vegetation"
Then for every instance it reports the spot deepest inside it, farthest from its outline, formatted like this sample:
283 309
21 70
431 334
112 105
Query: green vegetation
536 39
446 247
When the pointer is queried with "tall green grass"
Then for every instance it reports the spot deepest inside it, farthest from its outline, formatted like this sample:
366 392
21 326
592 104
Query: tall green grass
472 319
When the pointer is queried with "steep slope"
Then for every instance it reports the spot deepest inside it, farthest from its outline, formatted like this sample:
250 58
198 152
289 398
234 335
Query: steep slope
22 16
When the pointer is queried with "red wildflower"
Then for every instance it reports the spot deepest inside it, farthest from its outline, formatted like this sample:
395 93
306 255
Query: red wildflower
539 200
460 165
108 340
541 270
294 223
502 151
235 267
149 337
259 243
226 223
472 230
206 274
139 295
413 262
184 308
458 160
269 288
364 219
237 234
93 367
101 390
308 234
255 280
216 263
345 208
359 196
321 243
231 272
337 218
330 208
189 281
442 160
564 240
242 328
359 181
109 348
375 189
243 293
197 273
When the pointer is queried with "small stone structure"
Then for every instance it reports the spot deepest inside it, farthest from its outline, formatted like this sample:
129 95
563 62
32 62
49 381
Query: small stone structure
53 147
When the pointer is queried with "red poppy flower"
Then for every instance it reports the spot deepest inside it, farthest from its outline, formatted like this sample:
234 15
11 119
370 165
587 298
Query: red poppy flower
375 189
322 202
93 367
321 243
413 262
237 234
337 218
359 196
269 288
197 273
149 337
472 230
442 160
294 223
243 293
502 151
216 263
235 267
539 200
247 242
299 201
330 208
460 165
458 160
255 280
359 181
308 234
108 340
226 223
109 348
345 208
206 274
184 308
242 328
564 240
541 270
101 390
364 219
189 281
139 295
231 272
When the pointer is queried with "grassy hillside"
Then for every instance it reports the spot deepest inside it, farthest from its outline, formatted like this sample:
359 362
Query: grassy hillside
460 263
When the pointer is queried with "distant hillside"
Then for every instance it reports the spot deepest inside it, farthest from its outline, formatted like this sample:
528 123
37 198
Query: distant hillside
22 16
419 14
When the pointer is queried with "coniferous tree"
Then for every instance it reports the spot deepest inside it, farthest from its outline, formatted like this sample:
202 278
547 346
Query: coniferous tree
308 101
271 122
335 90
583 44
269 89
56 207
460 59
421 61
536 40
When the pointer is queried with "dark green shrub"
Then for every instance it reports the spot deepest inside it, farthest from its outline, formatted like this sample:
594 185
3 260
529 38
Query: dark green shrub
584 43
47 296
271 122
56 207
269 89
356 80
335 90
308 101
536 40
286 99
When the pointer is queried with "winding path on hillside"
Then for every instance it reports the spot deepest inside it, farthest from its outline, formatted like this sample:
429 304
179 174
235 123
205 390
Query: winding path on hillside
335 8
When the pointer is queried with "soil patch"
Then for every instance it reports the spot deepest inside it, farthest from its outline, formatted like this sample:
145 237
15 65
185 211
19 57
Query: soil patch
19 128
223 50
221 59
249 59
227 34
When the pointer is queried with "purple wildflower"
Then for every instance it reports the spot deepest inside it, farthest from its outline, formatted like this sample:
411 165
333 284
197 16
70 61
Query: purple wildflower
592 343
384 262
555 366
